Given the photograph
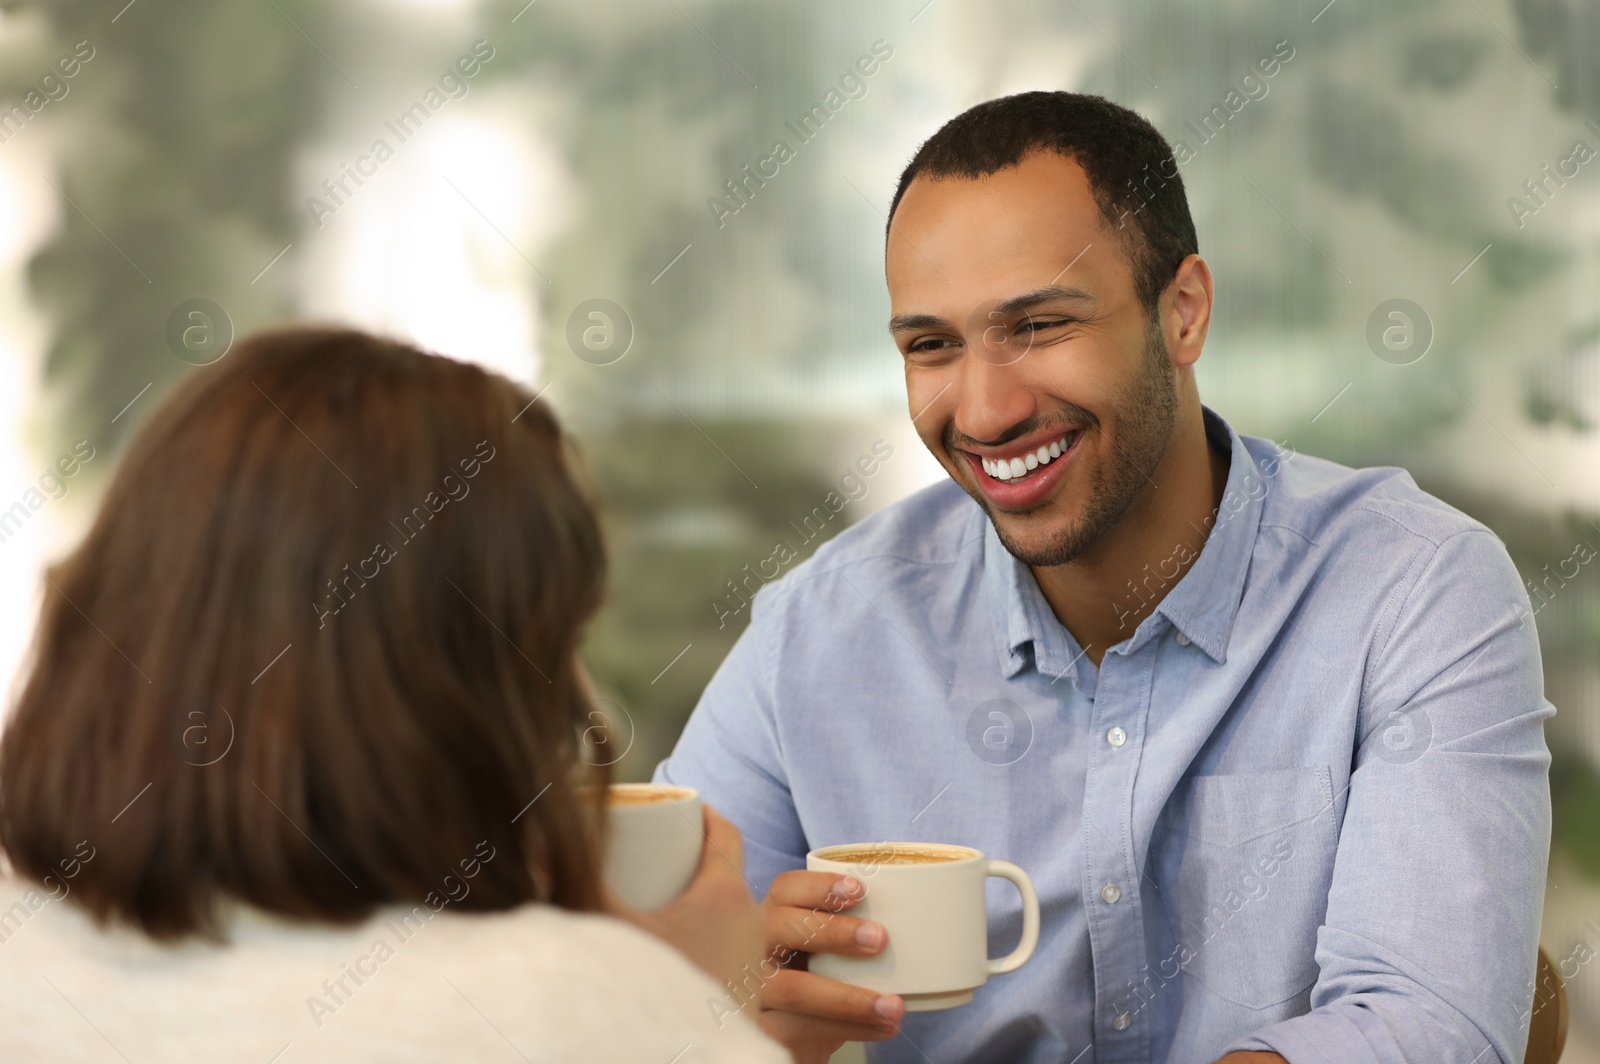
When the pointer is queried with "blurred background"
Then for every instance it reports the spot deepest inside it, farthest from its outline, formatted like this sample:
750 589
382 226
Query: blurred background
1403 220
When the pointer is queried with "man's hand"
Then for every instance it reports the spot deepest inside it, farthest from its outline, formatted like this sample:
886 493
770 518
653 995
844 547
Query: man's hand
808 1014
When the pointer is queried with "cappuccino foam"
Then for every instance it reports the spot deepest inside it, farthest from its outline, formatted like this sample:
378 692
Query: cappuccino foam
618 796
894 855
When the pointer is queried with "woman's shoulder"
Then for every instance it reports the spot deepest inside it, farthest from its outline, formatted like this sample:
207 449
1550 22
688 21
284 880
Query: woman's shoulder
534 938
583 986
408 982
607 976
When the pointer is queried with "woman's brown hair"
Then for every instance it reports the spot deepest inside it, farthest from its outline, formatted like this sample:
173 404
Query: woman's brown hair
317 651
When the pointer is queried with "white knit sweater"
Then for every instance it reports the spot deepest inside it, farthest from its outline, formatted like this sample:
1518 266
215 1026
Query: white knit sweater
536 984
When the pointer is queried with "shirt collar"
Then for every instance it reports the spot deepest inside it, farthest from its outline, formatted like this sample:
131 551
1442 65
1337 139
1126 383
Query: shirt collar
1024 615
1203 605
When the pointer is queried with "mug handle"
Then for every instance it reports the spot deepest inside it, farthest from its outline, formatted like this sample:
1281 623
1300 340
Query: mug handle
1030 917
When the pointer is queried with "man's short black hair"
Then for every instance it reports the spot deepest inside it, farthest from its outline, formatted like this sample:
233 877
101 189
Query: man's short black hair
1131 169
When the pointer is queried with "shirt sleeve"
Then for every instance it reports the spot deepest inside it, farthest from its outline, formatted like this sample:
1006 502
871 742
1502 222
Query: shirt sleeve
1428 948
730 750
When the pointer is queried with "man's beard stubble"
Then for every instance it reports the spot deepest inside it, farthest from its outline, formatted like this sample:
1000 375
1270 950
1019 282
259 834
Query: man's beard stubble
1147 415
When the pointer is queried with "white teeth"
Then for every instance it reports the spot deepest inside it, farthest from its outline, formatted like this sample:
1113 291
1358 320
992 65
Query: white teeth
1011 469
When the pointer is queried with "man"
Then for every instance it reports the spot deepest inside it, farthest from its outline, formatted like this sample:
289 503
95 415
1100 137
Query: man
1267 732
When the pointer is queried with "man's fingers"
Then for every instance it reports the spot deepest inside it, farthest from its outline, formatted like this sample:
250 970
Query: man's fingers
810 931
829 999
815 890
804 911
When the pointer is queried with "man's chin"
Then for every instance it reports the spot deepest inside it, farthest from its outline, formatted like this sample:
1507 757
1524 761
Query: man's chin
1036 554
1038 537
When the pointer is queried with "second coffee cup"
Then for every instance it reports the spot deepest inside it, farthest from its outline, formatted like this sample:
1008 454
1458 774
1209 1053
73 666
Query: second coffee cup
929 898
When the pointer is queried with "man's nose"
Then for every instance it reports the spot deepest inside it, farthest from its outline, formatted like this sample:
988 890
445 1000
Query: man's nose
994 396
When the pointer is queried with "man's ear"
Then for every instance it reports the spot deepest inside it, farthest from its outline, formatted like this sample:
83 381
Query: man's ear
1186 310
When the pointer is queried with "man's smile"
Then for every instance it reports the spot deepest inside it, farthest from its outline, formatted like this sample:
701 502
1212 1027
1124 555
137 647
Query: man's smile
1021 473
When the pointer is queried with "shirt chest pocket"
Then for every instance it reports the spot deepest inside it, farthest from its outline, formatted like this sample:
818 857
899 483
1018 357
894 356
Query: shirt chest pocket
1245 862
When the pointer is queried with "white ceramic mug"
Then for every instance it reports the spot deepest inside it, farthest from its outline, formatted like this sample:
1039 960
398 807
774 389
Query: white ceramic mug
654 842
934 912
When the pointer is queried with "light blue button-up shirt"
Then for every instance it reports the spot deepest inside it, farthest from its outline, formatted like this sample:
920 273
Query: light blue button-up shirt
1302 807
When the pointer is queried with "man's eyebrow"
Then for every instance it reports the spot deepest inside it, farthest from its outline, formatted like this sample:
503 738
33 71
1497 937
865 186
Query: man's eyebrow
907 322
1015 305
1047 294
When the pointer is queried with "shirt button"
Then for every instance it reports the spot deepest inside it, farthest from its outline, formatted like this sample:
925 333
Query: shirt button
1111 893
1183 640
1122 1022
1116 736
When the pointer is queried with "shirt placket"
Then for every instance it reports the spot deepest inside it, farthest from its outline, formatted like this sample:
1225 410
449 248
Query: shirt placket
1111 886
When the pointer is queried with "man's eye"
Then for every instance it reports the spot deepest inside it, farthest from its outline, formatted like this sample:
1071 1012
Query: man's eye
928 346
1040 324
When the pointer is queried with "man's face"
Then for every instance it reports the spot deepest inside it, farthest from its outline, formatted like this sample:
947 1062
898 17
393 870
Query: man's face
1032 371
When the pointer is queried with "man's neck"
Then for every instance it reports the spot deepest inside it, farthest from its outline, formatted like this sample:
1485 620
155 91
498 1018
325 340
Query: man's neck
1102 595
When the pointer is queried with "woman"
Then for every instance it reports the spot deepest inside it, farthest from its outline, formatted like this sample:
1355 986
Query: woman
294 774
